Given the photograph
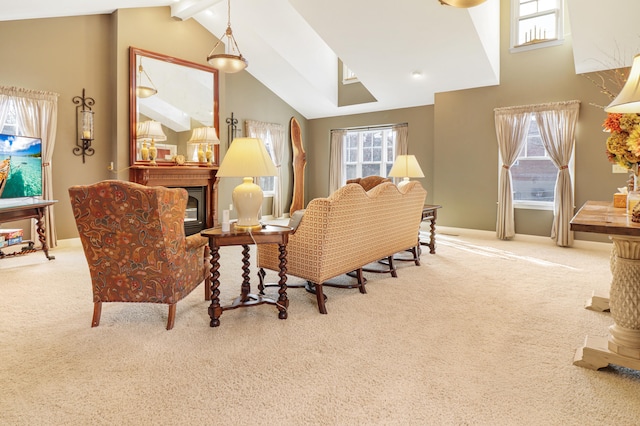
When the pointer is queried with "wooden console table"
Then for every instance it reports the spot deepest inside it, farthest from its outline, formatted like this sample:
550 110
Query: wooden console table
622 347
269 234
27 209
430 213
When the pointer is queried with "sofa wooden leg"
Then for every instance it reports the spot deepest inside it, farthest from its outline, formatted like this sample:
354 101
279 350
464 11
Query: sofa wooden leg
361 281
172 316
392 267
97 311
320 298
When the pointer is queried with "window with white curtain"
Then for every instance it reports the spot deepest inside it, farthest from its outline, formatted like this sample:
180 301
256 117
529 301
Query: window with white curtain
267 183
368 152
534 175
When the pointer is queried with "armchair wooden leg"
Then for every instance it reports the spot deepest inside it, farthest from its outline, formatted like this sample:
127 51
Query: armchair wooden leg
320 298
172 316
97 311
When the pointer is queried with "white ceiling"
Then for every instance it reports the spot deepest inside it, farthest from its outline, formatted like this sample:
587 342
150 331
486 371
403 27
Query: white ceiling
292 45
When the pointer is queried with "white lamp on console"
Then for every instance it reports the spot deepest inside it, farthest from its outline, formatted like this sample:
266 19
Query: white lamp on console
245 158
405 166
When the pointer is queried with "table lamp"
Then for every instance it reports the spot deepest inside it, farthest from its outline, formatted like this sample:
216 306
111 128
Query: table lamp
202 135
150 130
628 100
405 166
245 158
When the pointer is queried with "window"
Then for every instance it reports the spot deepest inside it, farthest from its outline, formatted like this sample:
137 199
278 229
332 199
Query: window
368 152
267 183
348 76
536 23
533 175
11 123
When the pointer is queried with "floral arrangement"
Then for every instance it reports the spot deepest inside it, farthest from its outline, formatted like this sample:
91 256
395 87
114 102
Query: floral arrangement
623 144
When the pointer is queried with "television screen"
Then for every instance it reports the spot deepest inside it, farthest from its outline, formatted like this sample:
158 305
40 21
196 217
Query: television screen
20 166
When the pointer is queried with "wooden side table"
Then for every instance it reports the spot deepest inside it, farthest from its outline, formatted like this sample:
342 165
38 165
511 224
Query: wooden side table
26 210
430 212
269 234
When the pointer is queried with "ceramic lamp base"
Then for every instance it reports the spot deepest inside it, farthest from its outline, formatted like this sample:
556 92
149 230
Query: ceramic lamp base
247 198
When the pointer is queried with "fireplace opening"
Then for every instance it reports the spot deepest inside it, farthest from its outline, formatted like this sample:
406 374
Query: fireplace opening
195 215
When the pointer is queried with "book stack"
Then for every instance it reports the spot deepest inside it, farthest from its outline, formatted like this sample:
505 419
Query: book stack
9 237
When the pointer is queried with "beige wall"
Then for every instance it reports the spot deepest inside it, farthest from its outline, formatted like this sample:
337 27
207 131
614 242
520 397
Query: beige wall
453 140
65 55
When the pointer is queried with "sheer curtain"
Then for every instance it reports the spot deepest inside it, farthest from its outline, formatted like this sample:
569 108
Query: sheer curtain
557 123
274 133
512 126
335 159
37 116
402 138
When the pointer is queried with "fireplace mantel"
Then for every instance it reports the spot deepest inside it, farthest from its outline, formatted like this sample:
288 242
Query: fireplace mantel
182 177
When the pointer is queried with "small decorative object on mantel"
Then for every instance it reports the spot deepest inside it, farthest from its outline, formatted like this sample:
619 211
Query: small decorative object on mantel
179 159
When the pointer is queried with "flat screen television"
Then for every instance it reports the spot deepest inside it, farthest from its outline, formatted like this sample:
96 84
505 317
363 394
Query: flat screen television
20 167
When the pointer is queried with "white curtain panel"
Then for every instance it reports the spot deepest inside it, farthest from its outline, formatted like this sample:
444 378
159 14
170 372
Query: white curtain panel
335 159
402 139
37 115
276 134
557 123
512 126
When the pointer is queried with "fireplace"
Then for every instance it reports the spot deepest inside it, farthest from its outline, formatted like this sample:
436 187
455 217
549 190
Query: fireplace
200 183
195 215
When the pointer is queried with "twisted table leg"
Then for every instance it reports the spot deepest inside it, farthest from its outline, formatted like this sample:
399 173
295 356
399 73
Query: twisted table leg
215 310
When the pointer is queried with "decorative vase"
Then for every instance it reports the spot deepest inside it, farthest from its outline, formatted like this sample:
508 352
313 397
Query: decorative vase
209 154
144 152
201 156
153 153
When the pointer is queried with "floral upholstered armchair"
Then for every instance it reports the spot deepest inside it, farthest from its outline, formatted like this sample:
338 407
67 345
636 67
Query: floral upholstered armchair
134 242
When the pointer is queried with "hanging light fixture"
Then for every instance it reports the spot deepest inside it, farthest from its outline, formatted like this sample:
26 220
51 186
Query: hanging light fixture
461 3
141 90
231 60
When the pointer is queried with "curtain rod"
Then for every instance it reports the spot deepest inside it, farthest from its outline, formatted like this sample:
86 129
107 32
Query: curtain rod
379 126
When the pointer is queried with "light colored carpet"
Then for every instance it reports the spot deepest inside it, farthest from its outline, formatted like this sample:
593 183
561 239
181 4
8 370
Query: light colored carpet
483 333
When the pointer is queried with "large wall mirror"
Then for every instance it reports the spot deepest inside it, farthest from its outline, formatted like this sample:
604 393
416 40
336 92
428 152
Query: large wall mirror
175 103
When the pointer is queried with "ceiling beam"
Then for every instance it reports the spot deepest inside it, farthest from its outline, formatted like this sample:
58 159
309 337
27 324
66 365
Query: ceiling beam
185 9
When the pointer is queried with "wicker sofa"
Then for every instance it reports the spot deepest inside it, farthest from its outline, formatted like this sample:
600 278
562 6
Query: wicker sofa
349 229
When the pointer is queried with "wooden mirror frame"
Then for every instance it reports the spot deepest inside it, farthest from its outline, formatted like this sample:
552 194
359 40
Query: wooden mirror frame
133 104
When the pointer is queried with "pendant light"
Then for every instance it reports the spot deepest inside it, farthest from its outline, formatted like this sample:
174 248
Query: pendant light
141 90
231 60
461 3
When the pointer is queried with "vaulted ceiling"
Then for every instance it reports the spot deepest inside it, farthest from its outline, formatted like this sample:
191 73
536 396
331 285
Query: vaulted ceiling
402 51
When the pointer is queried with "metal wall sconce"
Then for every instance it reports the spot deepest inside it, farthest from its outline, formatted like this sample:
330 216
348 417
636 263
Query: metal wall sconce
84 126
232 128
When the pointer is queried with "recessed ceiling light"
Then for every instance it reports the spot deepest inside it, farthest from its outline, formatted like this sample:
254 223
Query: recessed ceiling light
416 74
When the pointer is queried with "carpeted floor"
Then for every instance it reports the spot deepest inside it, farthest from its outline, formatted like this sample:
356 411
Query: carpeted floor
483 333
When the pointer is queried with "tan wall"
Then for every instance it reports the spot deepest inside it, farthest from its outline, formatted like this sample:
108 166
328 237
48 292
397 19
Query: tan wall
455 140
419 119
65 55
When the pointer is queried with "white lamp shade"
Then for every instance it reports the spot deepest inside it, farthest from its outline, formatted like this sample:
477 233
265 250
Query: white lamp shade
406 166
150 130
204 135
628 100
247 157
